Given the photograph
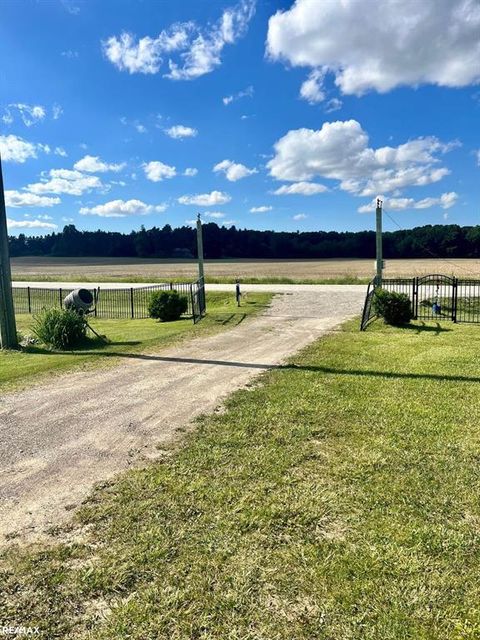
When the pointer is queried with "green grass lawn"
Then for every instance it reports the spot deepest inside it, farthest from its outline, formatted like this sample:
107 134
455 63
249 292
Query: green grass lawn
337 499
18 368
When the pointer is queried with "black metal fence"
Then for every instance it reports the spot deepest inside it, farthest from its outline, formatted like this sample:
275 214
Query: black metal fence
433 297
130 302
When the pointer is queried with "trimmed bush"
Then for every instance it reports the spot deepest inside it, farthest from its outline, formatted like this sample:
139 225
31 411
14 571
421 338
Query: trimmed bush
60 328
394 308
167 305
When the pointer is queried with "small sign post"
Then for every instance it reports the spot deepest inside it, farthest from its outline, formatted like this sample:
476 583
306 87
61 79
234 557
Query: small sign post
8 329
238 293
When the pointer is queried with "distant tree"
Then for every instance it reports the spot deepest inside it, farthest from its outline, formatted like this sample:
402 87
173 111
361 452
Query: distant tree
221 242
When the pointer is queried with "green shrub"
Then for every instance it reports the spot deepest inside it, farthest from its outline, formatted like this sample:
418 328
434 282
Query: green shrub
60 328
395 308
167 305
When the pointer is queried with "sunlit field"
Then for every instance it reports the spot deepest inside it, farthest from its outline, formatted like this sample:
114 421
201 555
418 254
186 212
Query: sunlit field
151 270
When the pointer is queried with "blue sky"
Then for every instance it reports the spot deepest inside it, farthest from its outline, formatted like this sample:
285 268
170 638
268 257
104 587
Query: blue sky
266 115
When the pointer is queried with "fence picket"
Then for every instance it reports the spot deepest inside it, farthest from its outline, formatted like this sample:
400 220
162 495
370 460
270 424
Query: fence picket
113 303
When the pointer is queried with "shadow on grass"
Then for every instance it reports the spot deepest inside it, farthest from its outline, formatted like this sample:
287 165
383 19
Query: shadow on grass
86 348
397 375
423 328
417 328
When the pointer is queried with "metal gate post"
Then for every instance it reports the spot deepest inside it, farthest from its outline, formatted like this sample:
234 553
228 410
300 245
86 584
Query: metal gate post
415 289
454 299
414 294
192 298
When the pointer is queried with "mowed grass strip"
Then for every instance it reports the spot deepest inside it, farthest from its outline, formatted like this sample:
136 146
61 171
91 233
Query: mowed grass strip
346 278
338 498
18 368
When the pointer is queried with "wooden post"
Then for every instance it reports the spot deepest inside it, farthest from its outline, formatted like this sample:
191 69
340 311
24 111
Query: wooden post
379 242
8 329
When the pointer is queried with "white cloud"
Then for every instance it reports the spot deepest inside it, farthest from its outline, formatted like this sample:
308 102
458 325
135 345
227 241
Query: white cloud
60 151
340 151
25 199
300 216
93 164
478 157
71 7
30 114
66 181
398 43
262 209
445 201
140 127
246 93
56 111
7 117
333 105
16 149
300 188
135 57
180 131
70 53
198 50
190 172
311 90
214 214
233 171
157 171
122 208
30 224
206 199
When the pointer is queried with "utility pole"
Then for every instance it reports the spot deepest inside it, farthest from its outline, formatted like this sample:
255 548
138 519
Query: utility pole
379 263
8 329
200 248
201 274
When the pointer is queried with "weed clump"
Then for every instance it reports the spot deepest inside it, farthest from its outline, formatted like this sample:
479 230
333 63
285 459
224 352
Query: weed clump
60 328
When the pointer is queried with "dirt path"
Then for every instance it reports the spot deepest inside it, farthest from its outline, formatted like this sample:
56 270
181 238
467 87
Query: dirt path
58 439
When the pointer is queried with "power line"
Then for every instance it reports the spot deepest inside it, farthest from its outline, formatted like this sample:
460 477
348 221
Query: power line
432 253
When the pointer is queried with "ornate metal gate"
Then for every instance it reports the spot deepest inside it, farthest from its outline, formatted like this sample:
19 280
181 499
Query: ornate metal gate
435 298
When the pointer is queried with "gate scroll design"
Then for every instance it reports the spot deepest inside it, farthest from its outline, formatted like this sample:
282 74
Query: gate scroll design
435 298
432 297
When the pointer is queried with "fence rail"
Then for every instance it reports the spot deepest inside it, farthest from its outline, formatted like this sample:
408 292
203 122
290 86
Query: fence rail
131 302
432 297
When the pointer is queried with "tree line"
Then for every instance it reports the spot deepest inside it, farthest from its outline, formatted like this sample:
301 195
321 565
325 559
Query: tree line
444 241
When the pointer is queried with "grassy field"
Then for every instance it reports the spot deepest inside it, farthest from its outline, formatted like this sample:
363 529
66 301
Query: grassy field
338 499
18 368
221 271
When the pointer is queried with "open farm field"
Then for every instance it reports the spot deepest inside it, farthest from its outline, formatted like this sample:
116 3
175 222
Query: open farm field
288 271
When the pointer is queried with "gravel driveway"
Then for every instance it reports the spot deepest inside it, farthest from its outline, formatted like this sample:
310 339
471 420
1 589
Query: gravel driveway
58 439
